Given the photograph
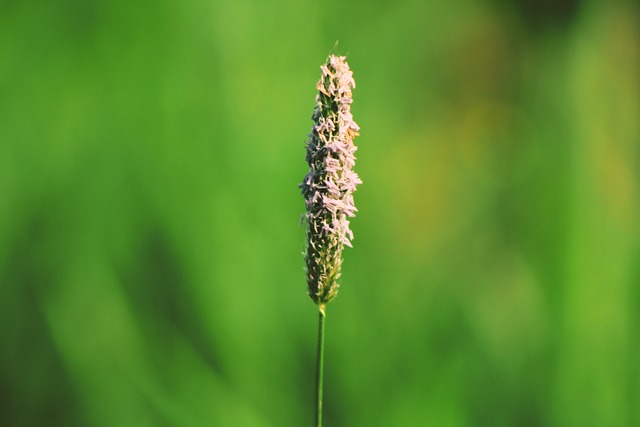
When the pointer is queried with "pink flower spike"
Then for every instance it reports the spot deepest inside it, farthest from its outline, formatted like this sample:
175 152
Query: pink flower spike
329 185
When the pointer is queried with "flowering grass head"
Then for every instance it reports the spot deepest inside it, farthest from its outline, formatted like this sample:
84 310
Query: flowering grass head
329 185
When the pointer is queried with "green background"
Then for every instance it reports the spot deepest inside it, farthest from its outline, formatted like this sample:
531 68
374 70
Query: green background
150 249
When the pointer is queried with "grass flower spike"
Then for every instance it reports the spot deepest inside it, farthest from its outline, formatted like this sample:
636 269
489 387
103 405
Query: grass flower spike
329 185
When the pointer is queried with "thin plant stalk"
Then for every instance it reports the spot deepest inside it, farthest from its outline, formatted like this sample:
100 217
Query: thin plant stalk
320 365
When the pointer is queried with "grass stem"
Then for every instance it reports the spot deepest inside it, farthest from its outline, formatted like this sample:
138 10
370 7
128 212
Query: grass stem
320 366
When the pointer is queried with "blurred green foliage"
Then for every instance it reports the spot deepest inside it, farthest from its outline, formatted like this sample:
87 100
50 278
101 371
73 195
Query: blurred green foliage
150 252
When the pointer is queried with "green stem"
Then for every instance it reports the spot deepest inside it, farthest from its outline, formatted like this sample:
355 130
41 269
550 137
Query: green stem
320 366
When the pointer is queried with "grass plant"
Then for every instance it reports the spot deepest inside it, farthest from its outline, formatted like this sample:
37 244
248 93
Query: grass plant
328 192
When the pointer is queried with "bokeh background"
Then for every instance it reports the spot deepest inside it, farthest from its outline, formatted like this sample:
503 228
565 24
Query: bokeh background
150 249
